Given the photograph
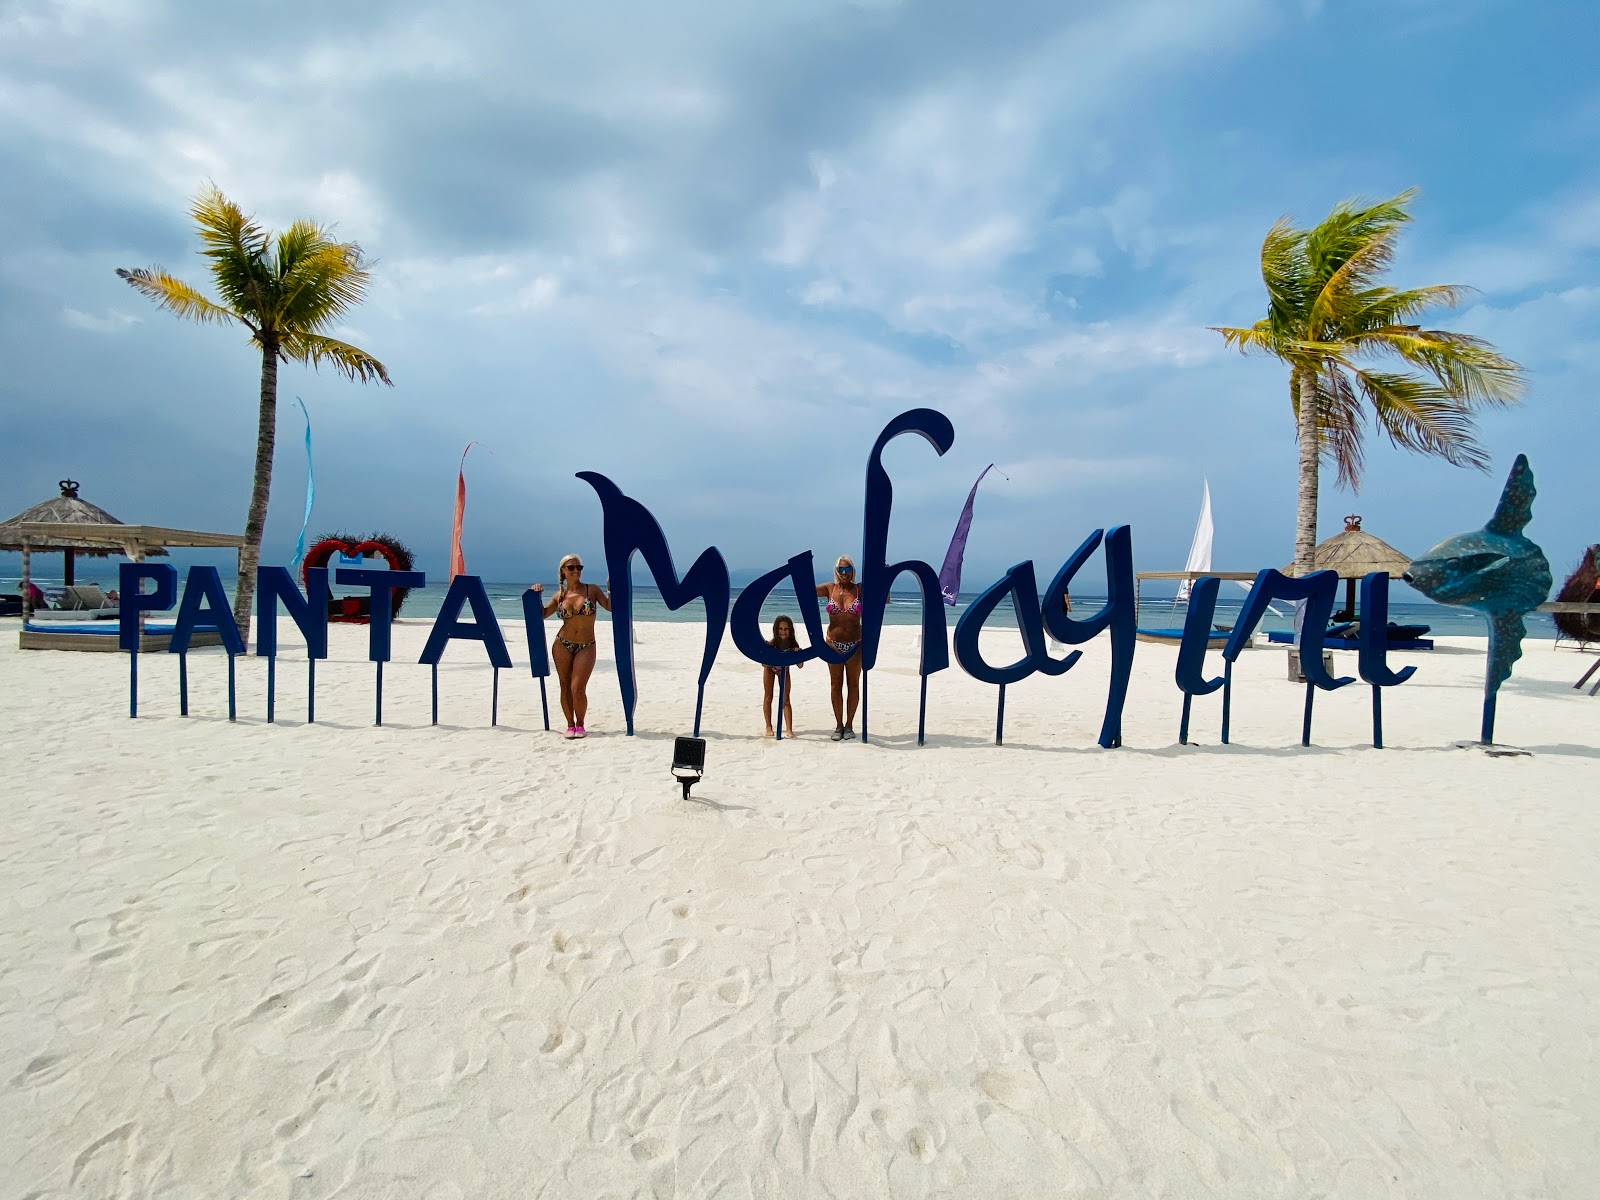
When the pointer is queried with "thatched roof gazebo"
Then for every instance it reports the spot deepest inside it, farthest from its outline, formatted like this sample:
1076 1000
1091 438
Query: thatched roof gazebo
65 509
1351 555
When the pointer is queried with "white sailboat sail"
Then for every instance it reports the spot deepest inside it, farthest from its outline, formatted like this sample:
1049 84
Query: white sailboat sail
1200 548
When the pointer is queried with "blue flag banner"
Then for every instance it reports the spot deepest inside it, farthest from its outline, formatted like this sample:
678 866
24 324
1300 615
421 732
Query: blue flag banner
311 492
950 573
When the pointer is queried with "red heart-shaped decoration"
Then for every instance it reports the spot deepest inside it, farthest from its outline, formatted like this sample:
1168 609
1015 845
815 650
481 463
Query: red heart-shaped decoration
349 608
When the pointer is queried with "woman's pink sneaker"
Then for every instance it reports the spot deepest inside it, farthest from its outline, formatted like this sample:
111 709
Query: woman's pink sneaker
579 732
572 732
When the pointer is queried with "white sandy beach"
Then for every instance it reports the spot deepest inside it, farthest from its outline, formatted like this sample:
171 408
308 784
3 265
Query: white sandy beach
427 963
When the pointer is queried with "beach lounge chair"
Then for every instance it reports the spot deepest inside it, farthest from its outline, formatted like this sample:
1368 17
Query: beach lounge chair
85 597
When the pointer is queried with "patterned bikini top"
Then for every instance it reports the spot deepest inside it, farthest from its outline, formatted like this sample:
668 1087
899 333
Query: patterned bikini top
584 608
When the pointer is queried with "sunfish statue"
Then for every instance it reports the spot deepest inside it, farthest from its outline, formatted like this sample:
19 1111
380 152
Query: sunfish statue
1497 571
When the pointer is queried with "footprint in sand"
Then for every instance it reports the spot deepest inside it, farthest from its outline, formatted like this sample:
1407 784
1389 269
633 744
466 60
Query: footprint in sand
671 954
1041 1046
735 989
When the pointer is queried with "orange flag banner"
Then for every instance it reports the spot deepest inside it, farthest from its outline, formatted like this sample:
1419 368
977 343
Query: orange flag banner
458 562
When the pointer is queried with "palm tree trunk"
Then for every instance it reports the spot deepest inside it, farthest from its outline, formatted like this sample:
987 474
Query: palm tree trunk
1307 434
256 521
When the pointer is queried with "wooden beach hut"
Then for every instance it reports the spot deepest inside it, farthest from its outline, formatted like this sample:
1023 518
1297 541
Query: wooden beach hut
138 542
1351 555
66 509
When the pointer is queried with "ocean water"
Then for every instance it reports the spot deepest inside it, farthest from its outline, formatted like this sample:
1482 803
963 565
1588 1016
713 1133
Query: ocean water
906 609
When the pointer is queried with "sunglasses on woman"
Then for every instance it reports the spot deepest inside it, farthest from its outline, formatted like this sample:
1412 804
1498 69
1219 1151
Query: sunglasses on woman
844 570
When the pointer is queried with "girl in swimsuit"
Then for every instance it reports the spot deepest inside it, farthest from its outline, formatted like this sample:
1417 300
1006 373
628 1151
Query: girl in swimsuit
574 648
844 635
782 639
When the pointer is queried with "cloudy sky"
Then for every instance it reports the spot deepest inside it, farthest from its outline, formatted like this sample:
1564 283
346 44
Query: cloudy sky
708 248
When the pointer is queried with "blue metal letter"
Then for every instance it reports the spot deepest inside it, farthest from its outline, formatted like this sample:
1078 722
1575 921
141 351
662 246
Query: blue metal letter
1372 647
130 579
1019 582
205 607
538 656
379 584
466 589
877 575
750 639
274 585
1318 590
629 528
1119 616
1191 671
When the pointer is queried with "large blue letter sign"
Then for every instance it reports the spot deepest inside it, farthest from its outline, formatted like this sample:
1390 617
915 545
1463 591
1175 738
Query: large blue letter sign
380 585
538 656
1372 647
1019 583
750 639
274 586
310 615
1119 616
1318 590
205 608
629 528
1191 669
134 602
878 575
447 626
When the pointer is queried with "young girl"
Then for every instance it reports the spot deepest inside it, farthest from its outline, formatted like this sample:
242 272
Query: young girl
782 639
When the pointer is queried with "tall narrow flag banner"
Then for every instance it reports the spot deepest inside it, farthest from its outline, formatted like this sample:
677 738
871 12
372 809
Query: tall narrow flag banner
311 492
458 562
950 573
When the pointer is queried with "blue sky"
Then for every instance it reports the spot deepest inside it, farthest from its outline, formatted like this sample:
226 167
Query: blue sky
710 248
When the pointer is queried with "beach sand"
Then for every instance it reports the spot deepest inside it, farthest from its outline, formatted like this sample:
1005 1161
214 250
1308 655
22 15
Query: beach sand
427 963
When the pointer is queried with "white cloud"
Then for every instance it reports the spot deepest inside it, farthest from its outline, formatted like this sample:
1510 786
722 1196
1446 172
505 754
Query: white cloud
112 322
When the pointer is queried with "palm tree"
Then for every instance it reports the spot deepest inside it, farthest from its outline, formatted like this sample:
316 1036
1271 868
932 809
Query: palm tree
1328 315
287 291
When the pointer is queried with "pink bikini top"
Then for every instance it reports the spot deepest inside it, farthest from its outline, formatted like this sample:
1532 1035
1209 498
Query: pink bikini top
854 608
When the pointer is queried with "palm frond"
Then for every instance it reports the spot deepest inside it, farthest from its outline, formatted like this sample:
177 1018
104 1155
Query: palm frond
1468 368
177 297
1421 416
324 283
1339 425
1256 339
1330 307
237 248
1381 306
1351 226
314 349
1283 270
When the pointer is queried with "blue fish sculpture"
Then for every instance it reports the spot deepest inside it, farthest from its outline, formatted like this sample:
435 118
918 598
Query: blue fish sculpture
1497 571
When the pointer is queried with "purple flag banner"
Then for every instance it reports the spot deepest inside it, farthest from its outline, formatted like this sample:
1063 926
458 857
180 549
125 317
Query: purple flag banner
950 573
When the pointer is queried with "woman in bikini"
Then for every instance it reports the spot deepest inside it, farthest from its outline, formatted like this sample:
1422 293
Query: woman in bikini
782 639
574 648
844 635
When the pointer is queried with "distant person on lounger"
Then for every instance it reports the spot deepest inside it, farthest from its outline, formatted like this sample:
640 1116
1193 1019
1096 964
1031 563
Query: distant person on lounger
36 596
574 648
844 635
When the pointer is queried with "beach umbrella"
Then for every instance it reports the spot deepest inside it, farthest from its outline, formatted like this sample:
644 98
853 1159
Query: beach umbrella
66 508
1355 553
